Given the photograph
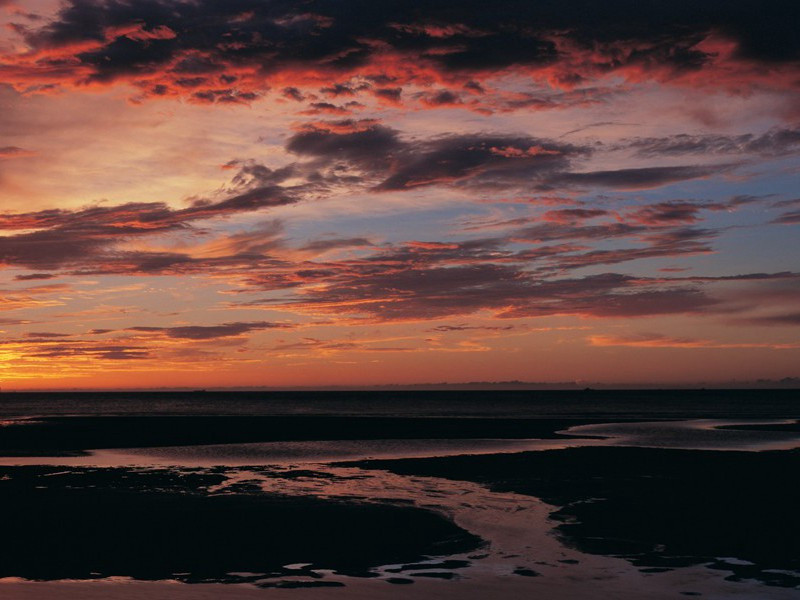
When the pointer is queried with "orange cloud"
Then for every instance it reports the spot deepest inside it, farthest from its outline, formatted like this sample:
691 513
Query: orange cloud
662 341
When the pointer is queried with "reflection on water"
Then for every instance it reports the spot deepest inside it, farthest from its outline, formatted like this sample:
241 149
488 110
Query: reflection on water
696 434
521 555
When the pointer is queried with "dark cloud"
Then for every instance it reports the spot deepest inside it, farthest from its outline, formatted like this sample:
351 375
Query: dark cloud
512 293
441 98
472 161
521 273
46 334
63 237
317 108
388 94
210 332
449 328
82 349
783 275
480 161
292 93
775 142
790 319
323 245
434 280
637 178
786 203
13 152
106 40
49 249
548 232
476 160
341 89
571 215
14 321
372 146
667 212
627 304
788 218
34 276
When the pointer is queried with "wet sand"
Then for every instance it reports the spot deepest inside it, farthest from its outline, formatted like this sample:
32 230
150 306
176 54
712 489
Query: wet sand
658 508
520 557
202 526
69 436
696 434
570 523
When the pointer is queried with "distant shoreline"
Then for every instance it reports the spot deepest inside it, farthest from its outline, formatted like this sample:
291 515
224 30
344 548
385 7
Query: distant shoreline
787 383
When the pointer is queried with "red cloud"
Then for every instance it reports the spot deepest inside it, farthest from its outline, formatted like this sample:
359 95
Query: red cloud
241 52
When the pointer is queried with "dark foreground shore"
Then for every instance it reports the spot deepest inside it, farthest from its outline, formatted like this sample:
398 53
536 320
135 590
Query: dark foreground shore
632 522
60 436
167 524
659 509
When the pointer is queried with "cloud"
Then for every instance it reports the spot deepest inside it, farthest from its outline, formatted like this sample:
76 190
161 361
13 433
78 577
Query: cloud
53 346
371 146
571 215
350 155
176 344
235 51
775 142
34 276
788 218
655 340
786 203
210 332
639 178
479 162
450 328
323 245
667 213
32 297
418 291
107 352
522 273
53 238
14 152
786 319
476 160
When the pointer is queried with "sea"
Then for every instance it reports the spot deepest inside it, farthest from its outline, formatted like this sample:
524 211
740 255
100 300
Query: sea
601 404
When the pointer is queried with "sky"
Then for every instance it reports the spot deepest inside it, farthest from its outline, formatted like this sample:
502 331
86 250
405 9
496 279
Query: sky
367 192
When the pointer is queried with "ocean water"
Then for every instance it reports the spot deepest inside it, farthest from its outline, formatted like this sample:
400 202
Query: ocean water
599 404
249 428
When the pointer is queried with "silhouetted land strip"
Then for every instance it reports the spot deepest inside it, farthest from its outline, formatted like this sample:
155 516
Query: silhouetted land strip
163 524
657 508
68 435
589 403
765 427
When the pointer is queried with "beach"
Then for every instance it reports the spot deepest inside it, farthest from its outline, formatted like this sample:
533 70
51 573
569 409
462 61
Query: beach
431 506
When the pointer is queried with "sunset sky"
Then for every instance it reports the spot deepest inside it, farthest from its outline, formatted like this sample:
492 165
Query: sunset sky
358 192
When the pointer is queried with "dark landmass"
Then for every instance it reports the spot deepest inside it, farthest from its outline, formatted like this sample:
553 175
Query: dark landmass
657 508
67 436
765 427
164 524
